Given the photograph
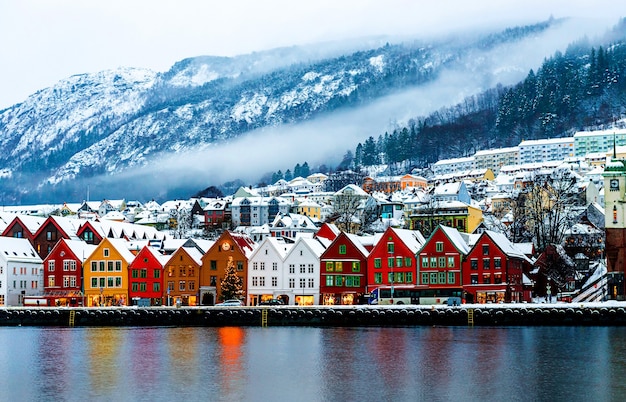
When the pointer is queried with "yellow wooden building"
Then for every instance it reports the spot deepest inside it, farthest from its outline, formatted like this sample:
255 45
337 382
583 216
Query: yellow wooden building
105 274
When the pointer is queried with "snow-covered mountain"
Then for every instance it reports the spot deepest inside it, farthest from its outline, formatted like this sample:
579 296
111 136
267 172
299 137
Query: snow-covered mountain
93 128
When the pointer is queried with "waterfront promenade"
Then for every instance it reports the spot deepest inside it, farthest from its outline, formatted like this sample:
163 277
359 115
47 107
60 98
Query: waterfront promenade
561 314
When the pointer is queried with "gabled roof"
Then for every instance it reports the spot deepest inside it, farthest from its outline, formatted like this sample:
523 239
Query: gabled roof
505 245
456 238
413 239
122 247
18 250
280 247
30 223
358 242
244 242
69 226
79 248
160 258
317 246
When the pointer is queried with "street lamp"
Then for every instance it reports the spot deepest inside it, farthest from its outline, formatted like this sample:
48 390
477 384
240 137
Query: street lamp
101 297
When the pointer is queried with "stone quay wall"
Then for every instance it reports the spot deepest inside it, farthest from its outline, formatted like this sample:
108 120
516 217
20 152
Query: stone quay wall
321 316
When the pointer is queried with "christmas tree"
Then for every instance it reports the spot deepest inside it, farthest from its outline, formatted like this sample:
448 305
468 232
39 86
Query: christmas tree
232 285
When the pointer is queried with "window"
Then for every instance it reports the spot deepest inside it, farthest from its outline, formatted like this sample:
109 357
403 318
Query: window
338 266
144 273
390 262
497 263
486 263
474 279
135 286
330 266
102 265
338 280
497 278
66 265
451 277
73 281
213 265
157 273
433 262
255 266
274 281
442 262
142 287
311 282
191 285
51 266
390 248
262 265
485 249
302 268
135 273
408 261
170 285
274 266
156 287
425 278
399 277
342 249
110 266
292 268
398 261
424 262
94 266
450 262
181 285
255 281
330 280
106 252
409 277
302 283
292 283
72 265
240 266
442 277
377 263
433 277
486 278
51 281
110 281
118 281
311 270
378 278
356 266
439 246
474 263
262 281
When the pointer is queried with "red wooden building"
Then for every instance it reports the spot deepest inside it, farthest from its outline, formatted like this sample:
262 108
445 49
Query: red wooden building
439 264
145 277
343 267
53 229
63 272
392 260
494 271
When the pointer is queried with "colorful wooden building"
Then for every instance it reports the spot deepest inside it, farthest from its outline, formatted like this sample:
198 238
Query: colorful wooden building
392 260
494 271
182 277
439 264
230 247
106 273
343 271
63 272
145 277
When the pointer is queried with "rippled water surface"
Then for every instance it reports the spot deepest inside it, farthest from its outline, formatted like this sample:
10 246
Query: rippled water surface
313 364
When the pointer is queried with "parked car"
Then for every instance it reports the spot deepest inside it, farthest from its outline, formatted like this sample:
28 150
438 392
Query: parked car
271 302
231 302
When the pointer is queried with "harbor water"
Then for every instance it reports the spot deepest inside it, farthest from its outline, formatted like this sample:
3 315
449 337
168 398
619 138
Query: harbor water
313 364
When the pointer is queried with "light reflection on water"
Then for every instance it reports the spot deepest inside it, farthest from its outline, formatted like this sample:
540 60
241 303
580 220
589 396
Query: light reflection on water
315 364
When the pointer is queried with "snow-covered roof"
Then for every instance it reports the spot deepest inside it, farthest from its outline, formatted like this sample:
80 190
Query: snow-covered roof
18 250
456 238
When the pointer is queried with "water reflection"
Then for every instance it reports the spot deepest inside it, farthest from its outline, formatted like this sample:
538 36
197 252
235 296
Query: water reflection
329 364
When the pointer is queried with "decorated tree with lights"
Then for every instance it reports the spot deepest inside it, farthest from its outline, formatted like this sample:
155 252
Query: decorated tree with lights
232 285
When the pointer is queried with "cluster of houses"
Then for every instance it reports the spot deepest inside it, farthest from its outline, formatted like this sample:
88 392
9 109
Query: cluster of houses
297 240
73 262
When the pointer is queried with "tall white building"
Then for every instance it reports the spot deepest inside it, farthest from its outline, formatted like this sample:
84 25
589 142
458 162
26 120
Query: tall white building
494 159
21 271
590 142
553 149
448 166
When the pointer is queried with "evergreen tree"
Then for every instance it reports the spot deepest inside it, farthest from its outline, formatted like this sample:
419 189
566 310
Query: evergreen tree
232 284
306 171
288 175
297 170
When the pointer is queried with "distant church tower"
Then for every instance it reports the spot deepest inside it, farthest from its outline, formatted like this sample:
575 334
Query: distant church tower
615 225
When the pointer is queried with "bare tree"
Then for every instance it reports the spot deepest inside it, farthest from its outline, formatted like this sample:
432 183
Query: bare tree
549 207
347 211
180 222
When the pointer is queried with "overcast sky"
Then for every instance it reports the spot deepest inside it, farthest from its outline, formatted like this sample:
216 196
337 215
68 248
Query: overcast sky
44 41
